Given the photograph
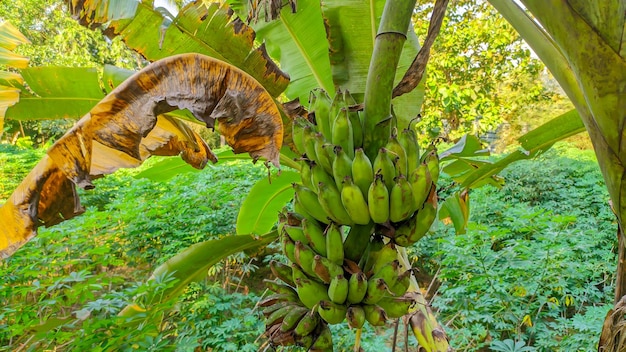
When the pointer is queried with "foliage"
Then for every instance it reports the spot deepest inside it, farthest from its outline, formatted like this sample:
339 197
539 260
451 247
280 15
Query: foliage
16 162
537 261
481 74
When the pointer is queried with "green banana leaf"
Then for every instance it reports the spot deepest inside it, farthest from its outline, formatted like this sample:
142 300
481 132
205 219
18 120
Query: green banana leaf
208 30
259 210
194 262
456 209
10 83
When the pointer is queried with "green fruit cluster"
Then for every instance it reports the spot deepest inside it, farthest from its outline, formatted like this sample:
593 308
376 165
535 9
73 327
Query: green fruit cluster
350 213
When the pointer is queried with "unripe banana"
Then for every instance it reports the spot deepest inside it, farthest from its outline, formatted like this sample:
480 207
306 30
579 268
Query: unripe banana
292 318
289 248
279 286
355 120
402 283
296 233
383 164
277 316
376 290
355 317
304 258
408 140
431 159
324 341
394 146
334 244
332 313
267 311
307 324
330 201
293 218
323 158
329 149
338 289
381 255
357 287
414 229
362 170
375 315
421 184
325 270
343 133
396 307
314 234
318 174
305 341
388 272
342 166
354 202
311 292
282 271
307 199
320 102
357 241
309 143
401 201
297 133
378 200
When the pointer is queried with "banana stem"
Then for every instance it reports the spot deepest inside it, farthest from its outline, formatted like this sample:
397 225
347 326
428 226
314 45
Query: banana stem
390 38
357 340
427 330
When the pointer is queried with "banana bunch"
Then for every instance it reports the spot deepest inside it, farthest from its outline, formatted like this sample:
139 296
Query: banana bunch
349 213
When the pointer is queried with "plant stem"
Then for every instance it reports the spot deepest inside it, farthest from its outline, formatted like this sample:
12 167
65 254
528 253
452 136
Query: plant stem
357 340
387 48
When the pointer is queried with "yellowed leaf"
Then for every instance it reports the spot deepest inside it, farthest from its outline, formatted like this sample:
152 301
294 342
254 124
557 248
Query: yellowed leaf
129 125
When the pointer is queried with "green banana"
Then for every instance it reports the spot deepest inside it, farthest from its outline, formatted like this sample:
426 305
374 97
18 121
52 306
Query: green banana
292 318
304 258
329 149
307 324
320 102
388 272
282 271
324 341
307 200
305 341
357 241
401 200
376 290
343 133
314 235
279 286
293 219
323 158
357 288
296 233
330 201
403 281
431 159
380 255
332 313
396 307
354 202
277 316
378 200
355 317
375 315
289 248
414 229
305 173
338 104
325 270
298 133
338 289
384 164
394 146
278 305
408 140
318 174
355 119
334 244
362 170
342 166
421 184
309 143
311 292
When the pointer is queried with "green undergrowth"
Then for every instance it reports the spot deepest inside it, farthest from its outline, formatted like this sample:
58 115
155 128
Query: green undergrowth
536 265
